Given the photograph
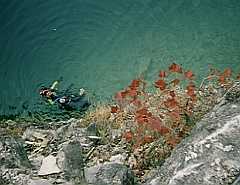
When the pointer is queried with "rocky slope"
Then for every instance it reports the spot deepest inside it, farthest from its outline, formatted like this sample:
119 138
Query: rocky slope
60 153
210 155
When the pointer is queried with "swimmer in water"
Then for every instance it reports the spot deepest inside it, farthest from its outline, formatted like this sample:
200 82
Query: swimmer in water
67 102
49 93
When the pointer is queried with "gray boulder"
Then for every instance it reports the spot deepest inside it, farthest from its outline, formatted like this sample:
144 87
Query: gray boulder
109 174
3 181
70 161
14 163
12 153
209 156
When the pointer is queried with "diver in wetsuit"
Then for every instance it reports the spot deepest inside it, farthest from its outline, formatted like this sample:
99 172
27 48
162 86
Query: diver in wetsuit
49 94
67 102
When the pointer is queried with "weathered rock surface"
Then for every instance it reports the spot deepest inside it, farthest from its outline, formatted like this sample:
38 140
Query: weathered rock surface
109 174
12 153
209 156
70 160
39 182
14 163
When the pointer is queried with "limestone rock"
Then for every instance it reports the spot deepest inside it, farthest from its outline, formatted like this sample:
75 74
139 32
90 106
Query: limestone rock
14 176
14 163
32 134
12 153
49 166
70 160
119 158
39 182
209 156
109 174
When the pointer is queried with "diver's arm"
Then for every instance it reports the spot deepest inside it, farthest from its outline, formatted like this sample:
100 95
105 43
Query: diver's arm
54 85
50 101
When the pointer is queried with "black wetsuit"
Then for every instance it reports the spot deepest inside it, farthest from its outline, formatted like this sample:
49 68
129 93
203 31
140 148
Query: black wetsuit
73 103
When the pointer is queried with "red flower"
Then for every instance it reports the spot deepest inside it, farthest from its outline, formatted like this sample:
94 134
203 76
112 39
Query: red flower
227 72
222 79
156 124
191 91
189 75
162 74
175 68
143 112
132 92
128 135
114 109
142 115
160 84
134 84
136 102
171 103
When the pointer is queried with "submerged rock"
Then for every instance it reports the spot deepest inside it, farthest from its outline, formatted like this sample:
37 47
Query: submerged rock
209 156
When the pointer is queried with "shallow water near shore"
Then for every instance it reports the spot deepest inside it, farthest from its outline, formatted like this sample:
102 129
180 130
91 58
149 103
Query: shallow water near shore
102 45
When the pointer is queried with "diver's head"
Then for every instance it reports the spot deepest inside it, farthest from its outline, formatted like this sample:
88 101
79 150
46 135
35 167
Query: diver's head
45 92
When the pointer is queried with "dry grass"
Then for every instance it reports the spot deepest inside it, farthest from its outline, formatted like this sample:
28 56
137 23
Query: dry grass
100 114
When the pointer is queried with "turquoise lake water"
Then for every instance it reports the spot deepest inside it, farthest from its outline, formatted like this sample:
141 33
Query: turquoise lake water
102 44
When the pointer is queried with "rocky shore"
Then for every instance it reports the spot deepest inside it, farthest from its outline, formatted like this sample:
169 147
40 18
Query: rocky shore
71 153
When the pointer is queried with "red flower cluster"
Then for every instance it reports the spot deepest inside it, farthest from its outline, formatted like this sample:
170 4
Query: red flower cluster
131 93
143 116
173 106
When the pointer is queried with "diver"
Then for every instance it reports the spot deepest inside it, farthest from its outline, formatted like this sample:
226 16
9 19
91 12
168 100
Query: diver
64 100
49 94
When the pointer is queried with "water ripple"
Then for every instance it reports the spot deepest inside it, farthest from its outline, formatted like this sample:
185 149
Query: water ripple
102 45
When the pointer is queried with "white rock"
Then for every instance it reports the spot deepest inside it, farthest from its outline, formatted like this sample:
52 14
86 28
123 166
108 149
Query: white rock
118 159
208 145
217 161
39 182
228 148
94 137
49 166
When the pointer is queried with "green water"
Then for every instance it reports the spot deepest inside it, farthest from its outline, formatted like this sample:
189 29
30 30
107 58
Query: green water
102 44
